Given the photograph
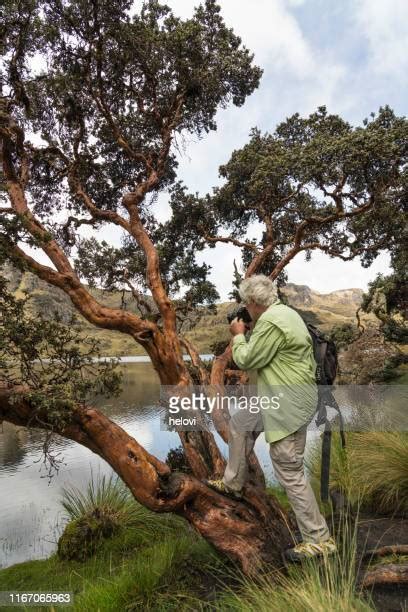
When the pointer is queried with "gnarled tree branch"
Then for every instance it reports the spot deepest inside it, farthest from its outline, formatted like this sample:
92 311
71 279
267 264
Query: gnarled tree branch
250 534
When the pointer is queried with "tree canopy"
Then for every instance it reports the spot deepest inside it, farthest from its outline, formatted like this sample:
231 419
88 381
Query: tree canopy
315 183
92 114
117 96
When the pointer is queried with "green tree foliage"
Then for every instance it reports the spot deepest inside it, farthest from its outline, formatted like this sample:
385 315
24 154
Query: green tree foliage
315 183
343 334
52 358
387 296
113 92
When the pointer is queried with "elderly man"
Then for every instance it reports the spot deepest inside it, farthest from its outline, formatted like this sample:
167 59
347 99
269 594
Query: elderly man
280 350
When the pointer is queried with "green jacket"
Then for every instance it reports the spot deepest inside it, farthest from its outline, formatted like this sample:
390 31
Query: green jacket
280 349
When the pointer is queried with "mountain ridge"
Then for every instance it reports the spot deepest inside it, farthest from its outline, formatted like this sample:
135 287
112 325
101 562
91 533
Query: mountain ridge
322 309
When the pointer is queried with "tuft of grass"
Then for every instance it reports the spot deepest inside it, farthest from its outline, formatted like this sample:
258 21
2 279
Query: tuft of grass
380 468
105 508
316 585
372 469
105 495
109 497
311 589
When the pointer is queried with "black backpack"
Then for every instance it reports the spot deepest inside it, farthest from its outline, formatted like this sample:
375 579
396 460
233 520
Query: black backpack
325 354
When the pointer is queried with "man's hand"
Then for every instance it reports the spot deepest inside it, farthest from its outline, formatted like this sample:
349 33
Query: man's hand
237 327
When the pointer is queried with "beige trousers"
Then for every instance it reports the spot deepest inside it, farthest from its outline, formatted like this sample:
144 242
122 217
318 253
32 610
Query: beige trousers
288 463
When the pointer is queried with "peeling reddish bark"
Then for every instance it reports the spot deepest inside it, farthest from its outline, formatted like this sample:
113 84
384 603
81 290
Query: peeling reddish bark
249 532
220 417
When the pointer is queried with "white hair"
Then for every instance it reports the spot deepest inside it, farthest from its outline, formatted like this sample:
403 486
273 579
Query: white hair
258 289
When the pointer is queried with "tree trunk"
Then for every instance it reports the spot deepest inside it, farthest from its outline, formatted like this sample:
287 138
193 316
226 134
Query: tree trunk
250 532
200 447
221 417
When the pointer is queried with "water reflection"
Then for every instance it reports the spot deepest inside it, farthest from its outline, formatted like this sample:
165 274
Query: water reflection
13 446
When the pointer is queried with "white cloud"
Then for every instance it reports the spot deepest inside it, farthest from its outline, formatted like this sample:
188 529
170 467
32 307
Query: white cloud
265 26
325 274
384 24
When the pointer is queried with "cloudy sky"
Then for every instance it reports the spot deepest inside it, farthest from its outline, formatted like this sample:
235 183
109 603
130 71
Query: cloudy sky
349 55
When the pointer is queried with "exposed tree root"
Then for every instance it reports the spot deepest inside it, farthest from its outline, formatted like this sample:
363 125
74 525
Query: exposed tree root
388 574
383 551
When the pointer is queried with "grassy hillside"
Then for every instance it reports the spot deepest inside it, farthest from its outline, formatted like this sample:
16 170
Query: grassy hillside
48 300
323 310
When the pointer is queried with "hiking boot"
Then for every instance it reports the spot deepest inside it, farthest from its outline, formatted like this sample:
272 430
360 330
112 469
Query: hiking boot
220 487
310 550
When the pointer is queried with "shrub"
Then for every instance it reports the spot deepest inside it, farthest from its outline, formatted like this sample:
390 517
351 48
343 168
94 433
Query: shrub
103 497
380 468
81 537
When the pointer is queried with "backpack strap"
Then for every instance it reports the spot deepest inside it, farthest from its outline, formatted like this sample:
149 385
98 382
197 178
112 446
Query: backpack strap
322 351
326 398
325 463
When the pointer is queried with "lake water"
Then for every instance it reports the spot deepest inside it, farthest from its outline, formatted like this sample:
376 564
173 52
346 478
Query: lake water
31 517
